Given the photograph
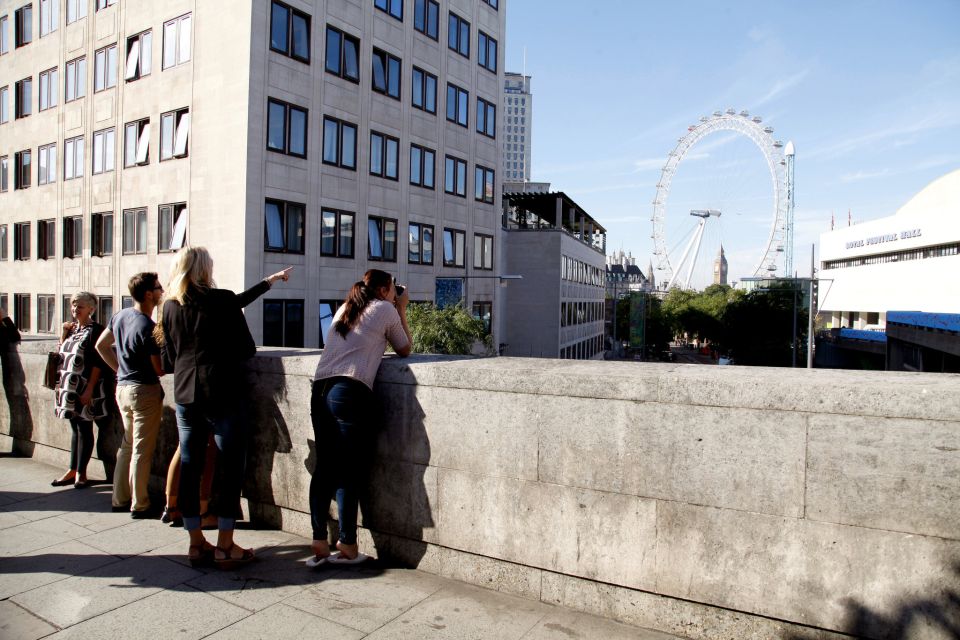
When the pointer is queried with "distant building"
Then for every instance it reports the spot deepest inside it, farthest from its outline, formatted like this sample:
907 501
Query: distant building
556 311
720 268
517 127
907 261
623 275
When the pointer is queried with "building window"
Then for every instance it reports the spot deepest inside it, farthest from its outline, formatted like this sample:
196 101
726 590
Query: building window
482 252
327 310
76 9
105 68
483 185
458 35
343 54
286 128
422 166
101 234
73 237
136 143
103 4
486 118
23 25
46 308
76 79
21 241
46 239
339 143
23 98
336 233
134 231
4 38
290 32
283 229
47 164
73 158
384 155
282 323
420 244
4 108
487 52
174 134
483 311
4 239
176 41
455 177
104 308
21 169
49 16
126 302
458 102
386 73
492 3
170 226
4 172
454 242
424 94
21 310
426 16
104 150
381 239
139 56
393 7
48 89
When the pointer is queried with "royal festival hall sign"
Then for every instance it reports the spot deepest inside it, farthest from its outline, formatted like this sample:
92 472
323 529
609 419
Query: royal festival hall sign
888 237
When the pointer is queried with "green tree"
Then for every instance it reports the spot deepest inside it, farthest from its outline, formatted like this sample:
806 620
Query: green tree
450 330
759 326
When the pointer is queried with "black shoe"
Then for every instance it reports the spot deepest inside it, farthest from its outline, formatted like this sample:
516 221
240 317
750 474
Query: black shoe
61 483
144 514
121 509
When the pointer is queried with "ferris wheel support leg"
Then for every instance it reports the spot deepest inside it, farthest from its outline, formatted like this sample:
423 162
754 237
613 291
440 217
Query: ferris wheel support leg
696 253
686 252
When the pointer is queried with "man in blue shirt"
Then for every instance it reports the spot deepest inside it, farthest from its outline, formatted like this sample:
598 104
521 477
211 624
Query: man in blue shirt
139 394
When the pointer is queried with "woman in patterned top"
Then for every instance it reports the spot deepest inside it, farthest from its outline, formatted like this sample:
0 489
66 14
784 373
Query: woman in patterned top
81 394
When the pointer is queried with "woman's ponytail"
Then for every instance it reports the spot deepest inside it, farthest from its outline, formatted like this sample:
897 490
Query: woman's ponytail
362 293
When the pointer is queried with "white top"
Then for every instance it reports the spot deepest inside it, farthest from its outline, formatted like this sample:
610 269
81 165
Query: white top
358 355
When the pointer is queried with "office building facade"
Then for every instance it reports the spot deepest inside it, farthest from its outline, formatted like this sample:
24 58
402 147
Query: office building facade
518 127
329 136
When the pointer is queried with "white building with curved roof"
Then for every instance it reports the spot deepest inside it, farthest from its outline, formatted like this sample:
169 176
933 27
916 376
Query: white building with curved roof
909 261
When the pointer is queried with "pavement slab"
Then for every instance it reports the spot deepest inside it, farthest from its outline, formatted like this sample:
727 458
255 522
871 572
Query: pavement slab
71 568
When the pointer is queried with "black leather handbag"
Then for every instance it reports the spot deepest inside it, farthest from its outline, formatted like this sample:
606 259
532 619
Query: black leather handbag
51 375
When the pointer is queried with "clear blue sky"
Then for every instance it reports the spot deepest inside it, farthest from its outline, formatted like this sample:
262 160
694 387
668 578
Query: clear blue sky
869 92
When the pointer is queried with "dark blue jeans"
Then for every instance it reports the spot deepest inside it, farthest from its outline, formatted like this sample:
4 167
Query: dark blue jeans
194 424
340 409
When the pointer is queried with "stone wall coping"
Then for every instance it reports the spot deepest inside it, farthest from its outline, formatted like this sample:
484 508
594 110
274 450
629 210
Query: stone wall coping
887 394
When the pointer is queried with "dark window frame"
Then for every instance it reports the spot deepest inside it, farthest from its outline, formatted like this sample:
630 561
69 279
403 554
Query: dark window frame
288 109
4 242
21 241
138 39
21 307
339 162
290 49
457 40
386 60
338 236
484 125
423 11
97 87
423 94
458 261
461 105
341 59
177 116
423 151
382 230
284 208
421 231
459 188
46 239
101 234
382 170
74 69
139 126
479 256
23 98
135 214
480 193
484 42
72 237
23 26
393 8
287 327
173 210
22 171
53 89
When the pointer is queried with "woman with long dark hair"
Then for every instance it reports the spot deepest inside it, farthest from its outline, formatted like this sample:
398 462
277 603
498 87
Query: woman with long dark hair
373 314
81 395
206 344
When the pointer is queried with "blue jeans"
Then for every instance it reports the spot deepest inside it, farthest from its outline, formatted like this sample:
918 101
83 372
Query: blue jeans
194 424
342 430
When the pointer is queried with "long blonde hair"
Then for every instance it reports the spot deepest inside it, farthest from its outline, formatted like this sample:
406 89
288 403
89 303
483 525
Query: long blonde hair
193 267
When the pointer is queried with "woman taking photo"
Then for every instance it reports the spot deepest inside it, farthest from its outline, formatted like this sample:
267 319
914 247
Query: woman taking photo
374 313
81 394
206 344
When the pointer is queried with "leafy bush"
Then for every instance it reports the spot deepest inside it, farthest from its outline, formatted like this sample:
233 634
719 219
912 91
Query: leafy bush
450 330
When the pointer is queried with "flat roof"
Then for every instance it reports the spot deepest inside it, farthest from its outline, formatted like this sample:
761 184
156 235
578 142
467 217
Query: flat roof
544 205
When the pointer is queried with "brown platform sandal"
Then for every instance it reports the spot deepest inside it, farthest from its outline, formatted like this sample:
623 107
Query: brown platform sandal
227 563
205 554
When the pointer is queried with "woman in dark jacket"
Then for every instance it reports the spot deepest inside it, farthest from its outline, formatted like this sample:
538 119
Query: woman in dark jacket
206 344
81 394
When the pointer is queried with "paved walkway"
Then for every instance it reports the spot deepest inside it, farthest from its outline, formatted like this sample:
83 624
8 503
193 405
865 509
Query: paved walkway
70 568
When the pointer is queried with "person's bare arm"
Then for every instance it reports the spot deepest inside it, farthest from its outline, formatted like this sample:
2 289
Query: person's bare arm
401 304
104 347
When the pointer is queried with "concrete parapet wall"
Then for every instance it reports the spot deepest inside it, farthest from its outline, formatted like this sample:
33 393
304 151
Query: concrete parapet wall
711 502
